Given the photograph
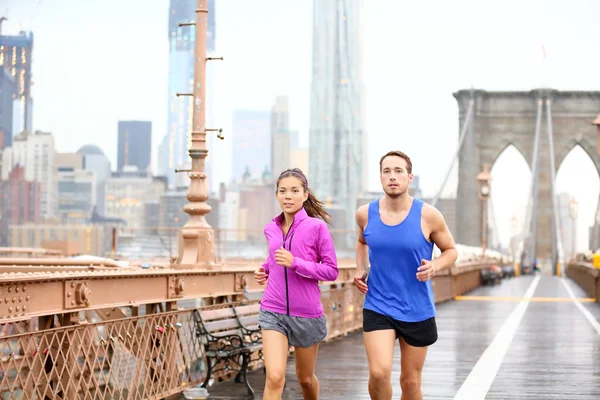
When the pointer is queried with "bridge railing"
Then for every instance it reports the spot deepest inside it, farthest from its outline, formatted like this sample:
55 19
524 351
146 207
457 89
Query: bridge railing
125 352
150 356
586 276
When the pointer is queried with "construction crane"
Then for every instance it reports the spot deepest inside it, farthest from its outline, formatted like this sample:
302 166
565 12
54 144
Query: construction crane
2 19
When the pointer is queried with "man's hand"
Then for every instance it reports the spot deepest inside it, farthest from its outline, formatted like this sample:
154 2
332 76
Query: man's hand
360 281
426 271
261 276
284 257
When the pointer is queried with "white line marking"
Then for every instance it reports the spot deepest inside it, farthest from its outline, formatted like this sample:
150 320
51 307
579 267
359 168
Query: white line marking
482 375
584 310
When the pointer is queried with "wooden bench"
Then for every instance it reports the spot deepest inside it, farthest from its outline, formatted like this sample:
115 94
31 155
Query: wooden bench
228 335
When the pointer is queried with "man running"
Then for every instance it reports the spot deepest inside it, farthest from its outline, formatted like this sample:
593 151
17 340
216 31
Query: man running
396 237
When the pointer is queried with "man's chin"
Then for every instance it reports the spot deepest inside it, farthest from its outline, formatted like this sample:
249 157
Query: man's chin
393 194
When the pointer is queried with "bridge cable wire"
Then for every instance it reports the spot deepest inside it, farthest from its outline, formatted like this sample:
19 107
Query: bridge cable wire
557 251
463 134
529 225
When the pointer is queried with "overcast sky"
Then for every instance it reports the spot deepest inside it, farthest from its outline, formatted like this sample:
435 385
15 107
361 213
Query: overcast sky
98 62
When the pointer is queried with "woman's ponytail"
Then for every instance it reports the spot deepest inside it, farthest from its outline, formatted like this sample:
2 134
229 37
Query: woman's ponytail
315 208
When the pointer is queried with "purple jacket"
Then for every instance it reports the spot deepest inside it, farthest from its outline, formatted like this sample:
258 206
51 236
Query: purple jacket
295 291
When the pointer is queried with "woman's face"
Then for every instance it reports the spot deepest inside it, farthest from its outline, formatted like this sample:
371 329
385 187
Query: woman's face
291 194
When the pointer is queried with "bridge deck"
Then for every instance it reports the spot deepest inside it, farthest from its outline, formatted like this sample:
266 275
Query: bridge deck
496 346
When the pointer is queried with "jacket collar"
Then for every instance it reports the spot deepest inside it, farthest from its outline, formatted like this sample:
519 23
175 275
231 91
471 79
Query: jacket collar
299 217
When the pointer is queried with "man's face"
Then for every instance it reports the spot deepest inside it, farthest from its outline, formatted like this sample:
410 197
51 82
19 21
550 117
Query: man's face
394 176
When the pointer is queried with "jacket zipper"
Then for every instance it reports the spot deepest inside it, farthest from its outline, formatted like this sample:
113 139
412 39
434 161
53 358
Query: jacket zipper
287 292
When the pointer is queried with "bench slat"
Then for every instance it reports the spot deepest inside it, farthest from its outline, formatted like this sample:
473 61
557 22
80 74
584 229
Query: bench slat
249 320
249 309
210 315
222 325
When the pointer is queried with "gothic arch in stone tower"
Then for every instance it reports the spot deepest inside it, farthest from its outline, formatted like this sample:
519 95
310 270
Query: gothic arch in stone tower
504 118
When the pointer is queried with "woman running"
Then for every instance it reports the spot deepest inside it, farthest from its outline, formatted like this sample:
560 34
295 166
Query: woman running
301 253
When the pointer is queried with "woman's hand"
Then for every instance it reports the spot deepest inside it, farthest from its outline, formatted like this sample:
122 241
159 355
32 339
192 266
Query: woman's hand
261 276
284 257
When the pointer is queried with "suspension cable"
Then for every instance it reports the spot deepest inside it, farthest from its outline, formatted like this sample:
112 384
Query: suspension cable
529 223
557 251
463 133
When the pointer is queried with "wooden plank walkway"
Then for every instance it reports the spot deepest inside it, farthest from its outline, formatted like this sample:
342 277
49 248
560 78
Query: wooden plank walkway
555 352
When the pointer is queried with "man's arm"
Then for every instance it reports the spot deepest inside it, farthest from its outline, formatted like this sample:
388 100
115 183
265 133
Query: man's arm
441 236
362 250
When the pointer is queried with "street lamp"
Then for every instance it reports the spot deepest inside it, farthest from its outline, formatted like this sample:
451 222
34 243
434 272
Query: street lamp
573 211
483 180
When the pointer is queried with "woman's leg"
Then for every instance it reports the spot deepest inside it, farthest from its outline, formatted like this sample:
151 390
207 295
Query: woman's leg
306 359
275 352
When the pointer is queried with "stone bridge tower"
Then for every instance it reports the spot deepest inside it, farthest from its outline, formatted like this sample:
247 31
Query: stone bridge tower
504 118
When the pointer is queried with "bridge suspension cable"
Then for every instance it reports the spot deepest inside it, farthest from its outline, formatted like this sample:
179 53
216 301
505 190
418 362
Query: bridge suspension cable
529 226
461 139
557 251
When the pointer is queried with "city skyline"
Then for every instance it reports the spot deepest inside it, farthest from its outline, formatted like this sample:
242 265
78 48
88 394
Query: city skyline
493 59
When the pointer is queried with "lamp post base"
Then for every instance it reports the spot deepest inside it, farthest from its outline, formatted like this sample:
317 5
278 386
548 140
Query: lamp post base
196 248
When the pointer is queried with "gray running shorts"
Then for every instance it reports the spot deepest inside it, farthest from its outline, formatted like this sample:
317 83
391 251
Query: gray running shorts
301 332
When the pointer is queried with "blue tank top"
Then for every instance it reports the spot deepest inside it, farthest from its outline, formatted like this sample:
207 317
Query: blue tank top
395 253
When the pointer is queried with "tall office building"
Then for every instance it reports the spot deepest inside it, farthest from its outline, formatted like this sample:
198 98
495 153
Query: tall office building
95 160
251 143
19 202
135 144
337 139
35 152
174 150
280 136
7 90
15 55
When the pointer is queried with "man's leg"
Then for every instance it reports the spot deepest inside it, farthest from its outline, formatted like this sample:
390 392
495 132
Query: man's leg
380 354
306 358
275 351
412 360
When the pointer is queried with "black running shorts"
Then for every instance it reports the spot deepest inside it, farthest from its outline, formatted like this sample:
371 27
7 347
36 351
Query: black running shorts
417 334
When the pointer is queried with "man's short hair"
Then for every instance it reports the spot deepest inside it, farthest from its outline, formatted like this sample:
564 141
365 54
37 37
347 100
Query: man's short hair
400 154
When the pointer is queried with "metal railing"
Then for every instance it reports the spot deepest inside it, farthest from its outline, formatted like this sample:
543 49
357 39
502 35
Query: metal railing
150 356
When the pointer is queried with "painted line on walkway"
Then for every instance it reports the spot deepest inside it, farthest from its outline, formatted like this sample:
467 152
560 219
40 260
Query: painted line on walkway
533 299
583 310
482 375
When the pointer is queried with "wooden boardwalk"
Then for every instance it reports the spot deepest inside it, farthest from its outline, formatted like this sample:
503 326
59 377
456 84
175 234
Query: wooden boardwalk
553 352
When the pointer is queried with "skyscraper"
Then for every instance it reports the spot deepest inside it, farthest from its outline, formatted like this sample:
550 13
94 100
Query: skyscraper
280 136
337 165
7 90
15 55
181 79
135 144
251 143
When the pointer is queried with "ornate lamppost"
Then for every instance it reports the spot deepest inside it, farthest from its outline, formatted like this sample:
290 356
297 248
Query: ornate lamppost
196 238
483 180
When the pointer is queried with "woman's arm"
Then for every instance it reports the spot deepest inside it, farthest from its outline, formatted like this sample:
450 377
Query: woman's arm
327 269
